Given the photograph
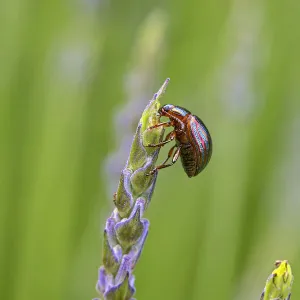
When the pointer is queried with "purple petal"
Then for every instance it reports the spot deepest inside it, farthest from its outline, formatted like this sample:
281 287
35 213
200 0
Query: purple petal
110 230
125 267
138 247
101 283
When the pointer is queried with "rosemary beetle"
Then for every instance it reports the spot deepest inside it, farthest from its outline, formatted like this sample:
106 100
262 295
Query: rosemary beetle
193 142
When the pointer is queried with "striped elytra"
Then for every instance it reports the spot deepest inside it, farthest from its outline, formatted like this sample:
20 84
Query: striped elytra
193 141
200 149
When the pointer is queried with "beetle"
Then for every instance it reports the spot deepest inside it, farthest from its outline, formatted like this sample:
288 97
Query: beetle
193 141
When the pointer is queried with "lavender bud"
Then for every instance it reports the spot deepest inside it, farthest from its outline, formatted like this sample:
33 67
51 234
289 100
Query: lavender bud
139 183
123 290
111 258
129 230
279 283
123 198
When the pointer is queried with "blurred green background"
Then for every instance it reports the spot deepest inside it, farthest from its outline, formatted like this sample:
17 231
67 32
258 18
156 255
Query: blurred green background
75 76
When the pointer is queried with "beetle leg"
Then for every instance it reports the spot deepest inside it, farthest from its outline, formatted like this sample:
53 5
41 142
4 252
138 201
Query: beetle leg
169 154
169 138
174 159
164 124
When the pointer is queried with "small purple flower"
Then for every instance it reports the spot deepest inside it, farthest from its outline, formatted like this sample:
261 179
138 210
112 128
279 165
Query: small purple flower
126 230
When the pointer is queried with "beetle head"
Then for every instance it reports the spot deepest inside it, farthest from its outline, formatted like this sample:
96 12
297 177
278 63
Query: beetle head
166 108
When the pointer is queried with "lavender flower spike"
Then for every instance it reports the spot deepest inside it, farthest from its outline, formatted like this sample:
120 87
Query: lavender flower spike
126 230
